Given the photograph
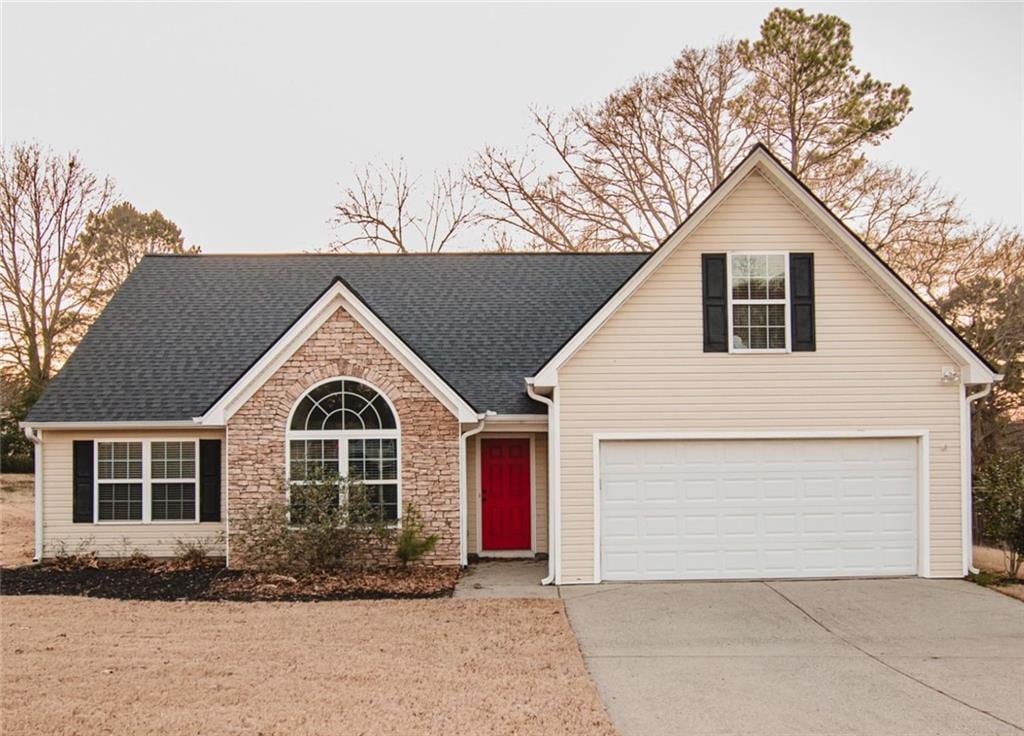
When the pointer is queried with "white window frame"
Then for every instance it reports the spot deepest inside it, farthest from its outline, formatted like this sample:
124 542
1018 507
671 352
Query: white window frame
729 300
147 480
341 437
194 481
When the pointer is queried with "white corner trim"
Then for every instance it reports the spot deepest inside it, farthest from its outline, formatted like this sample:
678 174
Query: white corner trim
923 471
336 296
36 438
975 370
967 476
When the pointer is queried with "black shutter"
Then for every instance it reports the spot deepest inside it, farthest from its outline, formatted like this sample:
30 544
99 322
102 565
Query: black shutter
82 474
716 321
801 298
209 480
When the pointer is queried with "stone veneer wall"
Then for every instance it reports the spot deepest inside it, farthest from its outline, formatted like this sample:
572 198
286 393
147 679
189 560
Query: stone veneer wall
429 463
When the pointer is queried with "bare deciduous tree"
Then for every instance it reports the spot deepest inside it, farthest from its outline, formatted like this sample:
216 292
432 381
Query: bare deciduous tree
49 292
624 174
378 212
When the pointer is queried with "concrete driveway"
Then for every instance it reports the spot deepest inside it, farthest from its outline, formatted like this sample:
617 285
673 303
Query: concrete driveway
906 656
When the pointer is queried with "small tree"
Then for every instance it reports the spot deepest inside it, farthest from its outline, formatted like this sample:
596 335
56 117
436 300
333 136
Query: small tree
999 507
412 544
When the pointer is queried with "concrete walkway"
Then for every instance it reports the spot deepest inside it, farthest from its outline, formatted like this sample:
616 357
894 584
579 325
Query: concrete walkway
906 656
505 579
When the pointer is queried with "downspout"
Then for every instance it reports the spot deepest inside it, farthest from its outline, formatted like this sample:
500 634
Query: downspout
463 484
37 441
967 522
554 500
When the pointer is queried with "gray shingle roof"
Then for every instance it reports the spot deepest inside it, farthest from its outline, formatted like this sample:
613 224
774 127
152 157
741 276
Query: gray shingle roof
183 329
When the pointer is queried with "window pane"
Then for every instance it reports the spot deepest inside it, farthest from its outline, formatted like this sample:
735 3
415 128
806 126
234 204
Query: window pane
386 501
119 461
741 338
313 458
740 277
777 315
387 419
120 502
741 314
758 338
173 460
758 314
174 501
775 271
777 338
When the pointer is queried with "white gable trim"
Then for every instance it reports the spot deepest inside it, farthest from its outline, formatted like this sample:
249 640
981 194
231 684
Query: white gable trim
974 370
337 296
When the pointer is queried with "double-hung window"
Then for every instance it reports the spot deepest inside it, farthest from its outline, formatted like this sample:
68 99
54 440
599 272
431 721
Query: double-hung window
758 302
144 481
119 481
174 488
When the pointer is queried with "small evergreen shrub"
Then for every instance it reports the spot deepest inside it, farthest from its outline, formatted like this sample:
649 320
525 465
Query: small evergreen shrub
412 544
999 508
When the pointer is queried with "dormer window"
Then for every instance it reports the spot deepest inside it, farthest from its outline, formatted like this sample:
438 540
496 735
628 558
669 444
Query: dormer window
758 302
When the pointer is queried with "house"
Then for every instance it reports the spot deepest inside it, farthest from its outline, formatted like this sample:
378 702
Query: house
760 397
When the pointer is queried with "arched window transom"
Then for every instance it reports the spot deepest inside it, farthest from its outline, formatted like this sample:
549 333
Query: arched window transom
342 405
347 428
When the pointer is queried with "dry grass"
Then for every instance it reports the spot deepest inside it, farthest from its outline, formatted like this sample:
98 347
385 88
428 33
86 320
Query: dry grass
84 666
16 519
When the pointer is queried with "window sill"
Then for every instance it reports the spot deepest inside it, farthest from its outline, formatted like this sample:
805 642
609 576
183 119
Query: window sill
155 522
756 351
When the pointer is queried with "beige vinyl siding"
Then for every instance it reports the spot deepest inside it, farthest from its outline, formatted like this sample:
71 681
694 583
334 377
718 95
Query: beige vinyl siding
540 488
156 539
645 370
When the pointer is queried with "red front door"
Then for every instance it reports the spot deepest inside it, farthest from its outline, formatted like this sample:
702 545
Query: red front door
505 493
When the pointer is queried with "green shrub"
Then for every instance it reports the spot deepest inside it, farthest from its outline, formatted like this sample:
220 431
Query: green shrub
327 523
411 543
999 507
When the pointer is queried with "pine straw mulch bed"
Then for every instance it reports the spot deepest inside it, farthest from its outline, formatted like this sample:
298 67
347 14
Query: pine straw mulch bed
151 580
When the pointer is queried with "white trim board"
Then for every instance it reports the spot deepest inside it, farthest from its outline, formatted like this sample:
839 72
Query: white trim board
97 426
923 474
974 369
337 296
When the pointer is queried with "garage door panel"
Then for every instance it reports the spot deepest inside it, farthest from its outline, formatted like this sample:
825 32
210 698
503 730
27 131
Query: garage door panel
764 508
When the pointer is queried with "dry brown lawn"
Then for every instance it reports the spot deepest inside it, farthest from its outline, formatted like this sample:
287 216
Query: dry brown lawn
16 518
90 666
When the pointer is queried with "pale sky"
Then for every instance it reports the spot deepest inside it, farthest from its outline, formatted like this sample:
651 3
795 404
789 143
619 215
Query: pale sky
241 122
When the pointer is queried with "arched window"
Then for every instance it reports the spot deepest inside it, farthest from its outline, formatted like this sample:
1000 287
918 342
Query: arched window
347 428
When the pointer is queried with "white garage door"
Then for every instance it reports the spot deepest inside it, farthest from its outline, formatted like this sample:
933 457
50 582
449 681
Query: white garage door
710 509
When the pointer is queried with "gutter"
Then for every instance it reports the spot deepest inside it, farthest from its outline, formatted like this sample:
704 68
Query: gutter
463 483
966 470
37 441
554 498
